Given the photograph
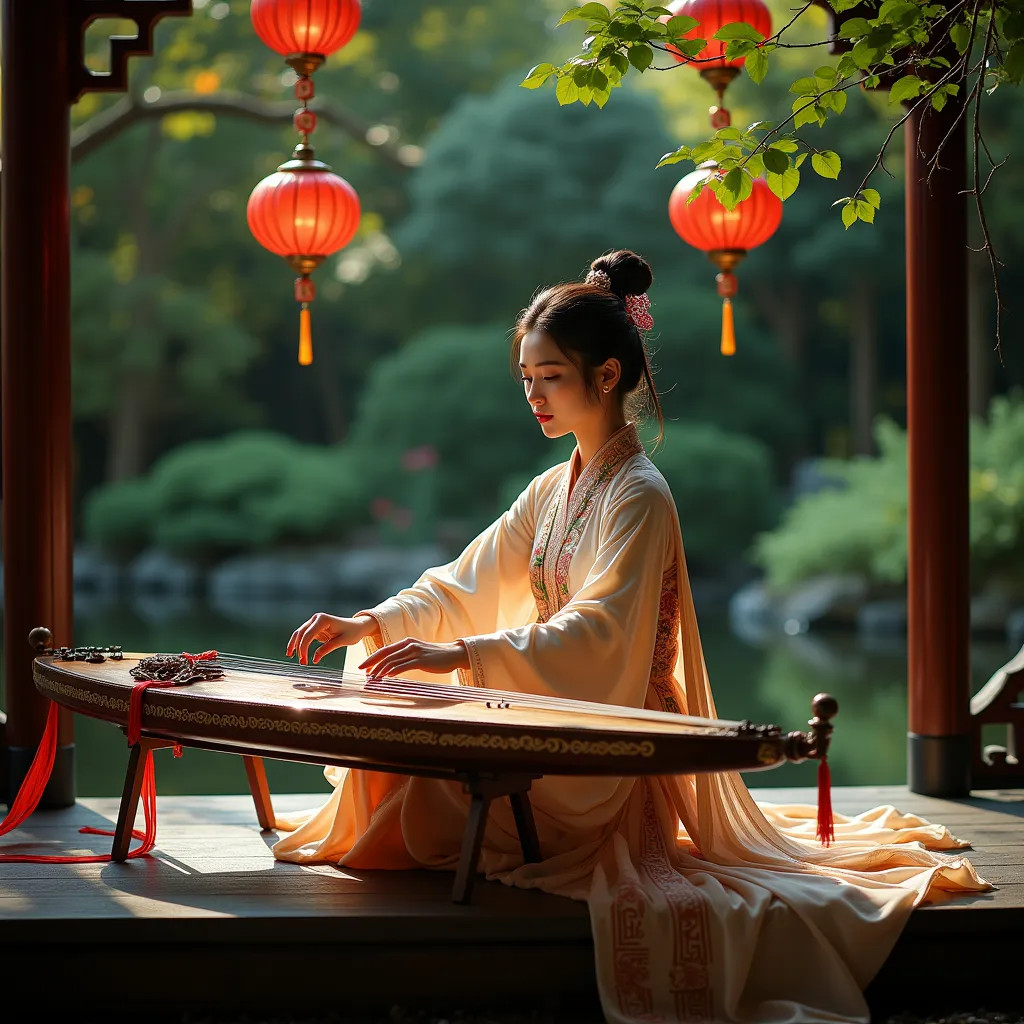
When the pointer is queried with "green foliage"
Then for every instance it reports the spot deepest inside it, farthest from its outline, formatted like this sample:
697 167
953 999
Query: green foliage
517 194
450 389
862 527
894 36
724 488
247 491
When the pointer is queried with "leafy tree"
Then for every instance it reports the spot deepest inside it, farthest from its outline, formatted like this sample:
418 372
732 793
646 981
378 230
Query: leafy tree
249 491
448 390
515 195
862 526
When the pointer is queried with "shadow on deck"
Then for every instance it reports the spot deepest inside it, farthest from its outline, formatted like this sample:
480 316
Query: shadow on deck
211 921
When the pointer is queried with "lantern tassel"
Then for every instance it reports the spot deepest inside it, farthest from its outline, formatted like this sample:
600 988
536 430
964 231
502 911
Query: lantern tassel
728 330
305 337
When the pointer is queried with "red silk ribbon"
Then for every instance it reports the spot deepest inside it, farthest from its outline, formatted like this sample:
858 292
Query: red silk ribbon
34 783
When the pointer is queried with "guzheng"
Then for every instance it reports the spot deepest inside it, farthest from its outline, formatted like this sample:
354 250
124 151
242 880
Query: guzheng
495 743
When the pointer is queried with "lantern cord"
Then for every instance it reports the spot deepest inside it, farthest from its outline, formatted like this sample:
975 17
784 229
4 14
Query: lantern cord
728 329
305 337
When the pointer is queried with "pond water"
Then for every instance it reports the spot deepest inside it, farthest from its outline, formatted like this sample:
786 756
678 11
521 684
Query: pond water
772 681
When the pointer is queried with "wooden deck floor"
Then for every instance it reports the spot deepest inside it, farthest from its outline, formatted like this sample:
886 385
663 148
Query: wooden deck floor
212 920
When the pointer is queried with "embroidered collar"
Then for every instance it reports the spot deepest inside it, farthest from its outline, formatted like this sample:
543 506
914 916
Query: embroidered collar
568 516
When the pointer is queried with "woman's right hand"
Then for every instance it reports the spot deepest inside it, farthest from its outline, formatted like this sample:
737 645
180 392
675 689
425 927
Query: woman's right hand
332 632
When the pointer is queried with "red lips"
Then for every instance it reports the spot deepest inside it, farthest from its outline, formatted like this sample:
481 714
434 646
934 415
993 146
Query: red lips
541 418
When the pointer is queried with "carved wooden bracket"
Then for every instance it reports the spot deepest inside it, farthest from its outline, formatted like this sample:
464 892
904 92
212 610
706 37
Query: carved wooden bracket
996 766
145 14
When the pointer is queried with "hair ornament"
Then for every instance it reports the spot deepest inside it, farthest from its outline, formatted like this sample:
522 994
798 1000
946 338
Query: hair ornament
637 306
639 309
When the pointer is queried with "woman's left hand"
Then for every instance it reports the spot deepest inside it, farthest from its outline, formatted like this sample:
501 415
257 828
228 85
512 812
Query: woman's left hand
408 654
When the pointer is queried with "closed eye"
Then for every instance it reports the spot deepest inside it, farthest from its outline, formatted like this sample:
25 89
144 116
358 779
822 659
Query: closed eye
526 380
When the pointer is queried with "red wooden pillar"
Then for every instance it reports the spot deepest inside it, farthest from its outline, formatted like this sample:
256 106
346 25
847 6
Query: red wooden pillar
938 584
36 372
43 74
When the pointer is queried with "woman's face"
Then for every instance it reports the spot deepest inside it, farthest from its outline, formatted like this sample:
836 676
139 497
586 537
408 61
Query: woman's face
554 387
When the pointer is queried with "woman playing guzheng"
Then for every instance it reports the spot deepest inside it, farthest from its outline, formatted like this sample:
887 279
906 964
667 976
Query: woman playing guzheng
705 906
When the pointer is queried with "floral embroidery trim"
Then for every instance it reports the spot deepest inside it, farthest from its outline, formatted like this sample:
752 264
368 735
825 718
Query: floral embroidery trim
666 643
567 519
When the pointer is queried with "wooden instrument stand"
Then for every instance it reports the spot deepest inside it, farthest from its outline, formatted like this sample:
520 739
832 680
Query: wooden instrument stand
481 788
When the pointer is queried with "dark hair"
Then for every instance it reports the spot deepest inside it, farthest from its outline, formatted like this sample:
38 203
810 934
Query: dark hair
589 323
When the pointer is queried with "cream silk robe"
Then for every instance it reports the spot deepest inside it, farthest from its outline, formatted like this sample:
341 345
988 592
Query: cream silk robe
705 906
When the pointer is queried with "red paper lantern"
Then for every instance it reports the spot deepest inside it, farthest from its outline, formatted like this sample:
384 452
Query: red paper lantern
304 213
725 236
305 31
712 15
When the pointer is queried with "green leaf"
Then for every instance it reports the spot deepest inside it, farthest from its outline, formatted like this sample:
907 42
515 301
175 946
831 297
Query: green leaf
849 214
681 24
588 12
826 73
706 150
803 109
581 74
908 87
785 145
736 186
1013 63
586 95
776 161
853 28
871 197
826 163
729 134
757 65
865 211
739 48
641 56
538 76
785 184
754 165
675 157
835 100
961 35
567 91
799 159
739 30
658 12
805 87
601 96
619 62
691 47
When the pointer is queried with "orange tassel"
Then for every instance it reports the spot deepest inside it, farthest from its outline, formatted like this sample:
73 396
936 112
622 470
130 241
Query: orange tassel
825 831
305 337
728 330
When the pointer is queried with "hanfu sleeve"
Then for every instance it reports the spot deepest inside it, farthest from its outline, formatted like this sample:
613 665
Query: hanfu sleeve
599 646
485 587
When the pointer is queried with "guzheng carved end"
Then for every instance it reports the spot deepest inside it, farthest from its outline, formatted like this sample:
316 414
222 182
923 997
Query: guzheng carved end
800 746
40 639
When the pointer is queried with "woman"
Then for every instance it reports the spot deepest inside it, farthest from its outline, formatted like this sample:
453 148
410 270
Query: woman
704 905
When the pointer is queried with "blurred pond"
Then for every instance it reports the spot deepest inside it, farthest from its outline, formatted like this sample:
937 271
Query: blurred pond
770 682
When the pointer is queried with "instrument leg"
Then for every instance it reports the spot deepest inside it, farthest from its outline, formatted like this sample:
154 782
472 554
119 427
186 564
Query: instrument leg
472 840
522 811
130 796
260 790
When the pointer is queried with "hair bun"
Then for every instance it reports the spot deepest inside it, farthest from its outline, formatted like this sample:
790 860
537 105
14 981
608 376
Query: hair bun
629 273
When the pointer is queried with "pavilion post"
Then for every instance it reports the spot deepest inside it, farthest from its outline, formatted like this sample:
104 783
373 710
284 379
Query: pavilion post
36 374
938 572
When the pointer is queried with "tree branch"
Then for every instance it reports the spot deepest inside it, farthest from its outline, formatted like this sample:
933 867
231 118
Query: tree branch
128 110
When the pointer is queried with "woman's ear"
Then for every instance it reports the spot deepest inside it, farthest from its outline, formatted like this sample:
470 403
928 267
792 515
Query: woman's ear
608 375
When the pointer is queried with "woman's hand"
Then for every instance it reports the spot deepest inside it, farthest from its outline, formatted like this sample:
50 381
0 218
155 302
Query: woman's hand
332 632
408 654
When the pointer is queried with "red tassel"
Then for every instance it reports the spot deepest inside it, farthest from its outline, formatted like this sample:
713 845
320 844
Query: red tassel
31 792
38 776
826 831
